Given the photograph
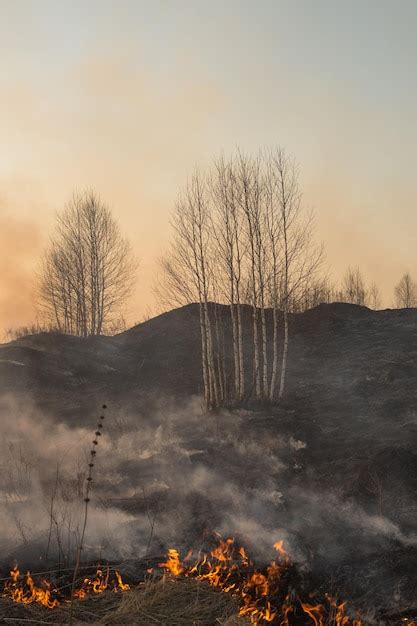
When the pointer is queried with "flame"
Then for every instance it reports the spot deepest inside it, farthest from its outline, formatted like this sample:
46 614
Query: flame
173 562
98 584
279 547
29 593
22 589
263 595
120 584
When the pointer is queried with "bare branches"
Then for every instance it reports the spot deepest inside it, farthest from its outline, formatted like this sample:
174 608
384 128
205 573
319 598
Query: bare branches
241 237
353 288
87 271
295 257
406 292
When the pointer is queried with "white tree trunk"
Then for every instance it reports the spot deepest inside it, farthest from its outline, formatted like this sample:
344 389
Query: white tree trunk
219 357
265 355
213 384
203 333
284 355
256 372
235 350
241 356
275 356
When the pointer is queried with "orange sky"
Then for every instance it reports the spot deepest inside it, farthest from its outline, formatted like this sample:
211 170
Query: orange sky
128 99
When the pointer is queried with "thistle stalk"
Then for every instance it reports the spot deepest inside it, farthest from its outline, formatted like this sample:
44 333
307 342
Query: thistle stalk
88 480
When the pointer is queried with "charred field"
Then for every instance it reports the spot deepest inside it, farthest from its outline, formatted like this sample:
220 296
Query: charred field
331 471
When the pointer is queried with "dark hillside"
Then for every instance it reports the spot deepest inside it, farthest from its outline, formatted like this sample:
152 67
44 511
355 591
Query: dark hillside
333 468
341 356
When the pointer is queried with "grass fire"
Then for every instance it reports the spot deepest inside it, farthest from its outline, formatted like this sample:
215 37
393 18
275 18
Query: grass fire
267 595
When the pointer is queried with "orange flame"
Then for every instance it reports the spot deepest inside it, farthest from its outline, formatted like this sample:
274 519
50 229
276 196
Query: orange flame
120 584
229 568
173 562
29 593
263 595
22 589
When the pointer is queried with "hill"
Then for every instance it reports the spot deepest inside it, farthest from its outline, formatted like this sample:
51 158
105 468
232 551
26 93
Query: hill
332 469
337 351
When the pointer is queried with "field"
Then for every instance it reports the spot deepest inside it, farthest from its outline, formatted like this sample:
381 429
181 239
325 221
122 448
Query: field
331 472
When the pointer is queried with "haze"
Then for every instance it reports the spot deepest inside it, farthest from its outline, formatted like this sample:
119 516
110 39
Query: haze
126 99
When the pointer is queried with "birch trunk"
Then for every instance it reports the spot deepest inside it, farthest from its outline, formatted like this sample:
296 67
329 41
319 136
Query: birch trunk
219 356
284 355
265 355
207 394
257 379
235 349
275 356
241 355
213 384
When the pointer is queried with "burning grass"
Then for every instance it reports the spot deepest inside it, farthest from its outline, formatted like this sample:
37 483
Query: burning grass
220 586
168 601
265 596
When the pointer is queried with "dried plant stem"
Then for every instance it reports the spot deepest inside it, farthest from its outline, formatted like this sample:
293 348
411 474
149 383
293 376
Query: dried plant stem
51 511
89 480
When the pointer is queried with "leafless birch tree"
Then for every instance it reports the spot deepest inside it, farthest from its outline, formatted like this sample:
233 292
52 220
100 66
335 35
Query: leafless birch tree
241 237
374 297
274 238
250 201
301 258
230 252
88 269
406 292
353 287
187 271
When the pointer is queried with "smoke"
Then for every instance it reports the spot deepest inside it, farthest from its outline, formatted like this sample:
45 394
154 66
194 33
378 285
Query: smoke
169 479
41 483
20 242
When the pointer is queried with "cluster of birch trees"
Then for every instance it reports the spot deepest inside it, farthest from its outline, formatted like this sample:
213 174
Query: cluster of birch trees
242 237
87 270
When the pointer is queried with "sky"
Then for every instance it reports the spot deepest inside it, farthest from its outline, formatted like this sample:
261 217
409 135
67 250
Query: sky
128 97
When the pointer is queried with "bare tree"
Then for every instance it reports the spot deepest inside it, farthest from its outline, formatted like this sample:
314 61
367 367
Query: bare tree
248 175
256 195
406 292
316 291
353 287
87 271
175 284
188 274
241 236
229 249
301 258
374 297
275 279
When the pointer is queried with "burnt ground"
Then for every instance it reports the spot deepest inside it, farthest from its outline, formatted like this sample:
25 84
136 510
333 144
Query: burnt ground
333 468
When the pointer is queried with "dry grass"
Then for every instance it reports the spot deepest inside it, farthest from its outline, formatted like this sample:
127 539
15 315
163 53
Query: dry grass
174 602
167 602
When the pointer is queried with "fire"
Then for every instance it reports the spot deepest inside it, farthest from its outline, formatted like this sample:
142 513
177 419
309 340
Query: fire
120 584
265 596
97 585
279 547
28 592
22 589
173 562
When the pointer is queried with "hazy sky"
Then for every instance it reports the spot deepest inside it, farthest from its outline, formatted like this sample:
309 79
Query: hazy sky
127 97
